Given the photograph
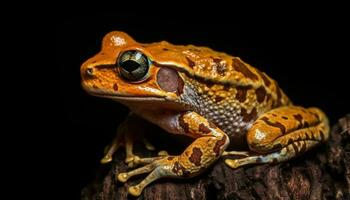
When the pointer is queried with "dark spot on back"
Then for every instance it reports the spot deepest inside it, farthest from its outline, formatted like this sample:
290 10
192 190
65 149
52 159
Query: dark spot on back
258 160
274 124
165 49
216 60
115 87
260 94
241 94
190 62
196 155
248 117
274 115
221 68
239 66
203 128
284 117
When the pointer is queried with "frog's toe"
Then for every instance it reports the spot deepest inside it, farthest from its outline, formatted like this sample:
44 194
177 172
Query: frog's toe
135 190
232 163
147 144
122 177
106 159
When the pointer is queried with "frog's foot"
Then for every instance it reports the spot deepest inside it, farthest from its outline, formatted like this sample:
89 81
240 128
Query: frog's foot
159 167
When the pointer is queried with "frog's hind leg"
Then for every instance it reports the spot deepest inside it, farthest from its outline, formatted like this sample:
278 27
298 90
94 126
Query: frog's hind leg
284 133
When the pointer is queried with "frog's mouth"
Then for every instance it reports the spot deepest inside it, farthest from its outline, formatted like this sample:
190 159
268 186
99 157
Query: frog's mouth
145 101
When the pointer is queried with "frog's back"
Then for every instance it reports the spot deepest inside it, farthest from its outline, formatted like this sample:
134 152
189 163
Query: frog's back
206 65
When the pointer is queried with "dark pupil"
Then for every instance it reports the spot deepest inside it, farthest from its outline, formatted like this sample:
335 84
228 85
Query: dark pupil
133 65
130 65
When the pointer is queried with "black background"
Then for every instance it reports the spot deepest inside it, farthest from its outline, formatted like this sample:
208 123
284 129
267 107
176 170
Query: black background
304 49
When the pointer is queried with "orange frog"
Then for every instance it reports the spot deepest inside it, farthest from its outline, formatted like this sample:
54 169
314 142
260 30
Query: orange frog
215 98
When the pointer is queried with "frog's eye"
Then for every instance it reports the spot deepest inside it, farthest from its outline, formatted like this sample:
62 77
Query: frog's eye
133 65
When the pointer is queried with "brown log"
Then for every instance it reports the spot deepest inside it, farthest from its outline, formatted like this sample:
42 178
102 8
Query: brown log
322 173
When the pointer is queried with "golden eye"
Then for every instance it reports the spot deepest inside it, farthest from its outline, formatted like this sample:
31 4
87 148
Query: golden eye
133 65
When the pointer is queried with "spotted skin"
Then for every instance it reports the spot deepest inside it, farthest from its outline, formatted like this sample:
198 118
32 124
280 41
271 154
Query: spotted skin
283 133
194 160
216 99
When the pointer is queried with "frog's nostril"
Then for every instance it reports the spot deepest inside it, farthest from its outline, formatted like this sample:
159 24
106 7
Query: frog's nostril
90 72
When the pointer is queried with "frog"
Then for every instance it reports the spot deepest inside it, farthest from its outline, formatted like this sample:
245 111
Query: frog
215 99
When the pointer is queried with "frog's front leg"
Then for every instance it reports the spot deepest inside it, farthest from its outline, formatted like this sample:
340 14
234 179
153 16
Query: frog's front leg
127 133
284 133
206 149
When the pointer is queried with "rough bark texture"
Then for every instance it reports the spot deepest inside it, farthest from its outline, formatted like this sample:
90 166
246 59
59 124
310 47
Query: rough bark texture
323 173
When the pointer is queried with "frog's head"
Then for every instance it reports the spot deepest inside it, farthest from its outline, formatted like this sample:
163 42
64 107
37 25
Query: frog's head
127 71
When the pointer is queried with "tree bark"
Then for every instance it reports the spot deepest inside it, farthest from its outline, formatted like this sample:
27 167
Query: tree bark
322 173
